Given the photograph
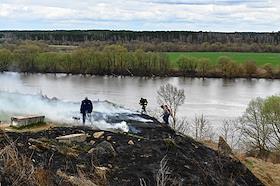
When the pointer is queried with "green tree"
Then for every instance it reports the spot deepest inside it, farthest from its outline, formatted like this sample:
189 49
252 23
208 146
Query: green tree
228 67
115 56
271 110
256 131
140 66
25 56
250 68
188 65
96 63
203 66
80 60
5 59
65 62
48 62
269 69
164 64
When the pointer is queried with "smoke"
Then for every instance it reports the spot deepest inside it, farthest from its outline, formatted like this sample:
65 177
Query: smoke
106 115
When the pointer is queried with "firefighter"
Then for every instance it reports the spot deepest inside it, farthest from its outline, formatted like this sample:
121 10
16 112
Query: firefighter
143 102
86 108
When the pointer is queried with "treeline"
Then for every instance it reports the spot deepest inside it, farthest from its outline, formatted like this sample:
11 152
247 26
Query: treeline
226 68
189 47
117 60
147 36
156 41
111 60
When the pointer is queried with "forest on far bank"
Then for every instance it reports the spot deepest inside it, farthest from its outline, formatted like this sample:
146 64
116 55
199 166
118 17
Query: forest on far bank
154 41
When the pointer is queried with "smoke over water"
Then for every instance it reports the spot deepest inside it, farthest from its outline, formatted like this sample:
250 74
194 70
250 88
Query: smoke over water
106 115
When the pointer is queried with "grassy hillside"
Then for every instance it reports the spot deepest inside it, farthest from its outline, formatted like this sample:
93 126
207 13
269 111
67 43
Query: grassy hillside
259 58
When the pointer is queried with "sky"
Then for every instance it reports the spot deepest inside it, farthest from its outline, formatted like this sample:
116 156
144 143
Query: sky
140 15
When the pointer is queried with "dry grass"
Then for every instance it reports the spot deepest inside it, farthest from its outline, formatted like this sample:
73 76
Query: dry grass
142 182
100 174
267 172
42 177
17 169
163 174
210 144
80 180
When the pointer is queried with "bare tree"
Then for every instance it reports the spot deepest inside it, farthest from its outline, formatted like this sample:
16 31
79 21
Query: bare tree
231 132
202 128
183 126
173 98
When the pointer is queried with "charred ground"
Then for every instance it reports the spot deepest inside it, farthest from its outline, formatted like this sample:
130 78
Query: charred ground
115 158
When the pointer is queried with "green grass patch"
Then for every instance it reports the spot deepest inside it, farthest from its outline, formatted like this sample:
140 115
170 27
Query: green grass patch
239 57
170 143
249 164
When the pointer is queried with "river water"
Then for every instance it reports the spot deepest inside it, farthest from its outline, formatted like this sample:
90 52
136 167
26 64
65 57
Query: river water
217 99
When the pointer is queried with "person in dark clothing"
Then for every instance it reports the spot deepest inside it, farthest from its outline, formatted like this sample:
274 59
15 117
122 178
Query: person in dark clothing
166 114
86 108
143 102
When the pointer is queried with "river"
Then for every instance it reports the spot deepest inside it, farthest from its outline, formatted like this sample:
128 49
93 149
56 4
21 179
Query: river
217 99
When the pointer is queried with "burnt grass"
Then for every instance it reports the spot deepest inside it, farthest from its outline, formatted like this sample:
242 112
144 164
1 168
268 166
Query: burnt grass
189 162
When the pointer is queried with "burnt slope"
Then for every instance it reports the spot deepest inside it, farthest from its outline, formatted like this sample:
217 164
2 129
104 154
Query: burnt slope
128 157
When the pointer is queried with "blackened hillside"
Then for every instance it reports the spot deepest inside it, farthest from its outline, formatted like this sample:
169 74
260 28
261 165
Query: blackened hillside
149 153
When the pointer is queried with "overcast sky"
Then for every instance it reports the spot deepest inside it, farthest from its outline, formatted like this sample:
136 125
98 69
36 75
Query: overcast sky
195 15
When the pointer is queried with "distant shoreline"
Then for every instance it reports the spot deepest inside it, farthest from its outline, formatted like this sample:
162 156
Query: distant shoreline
180 75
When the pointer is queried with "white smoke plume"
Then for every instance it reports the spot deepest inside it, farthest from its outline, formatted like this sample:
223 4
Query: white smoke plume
59 111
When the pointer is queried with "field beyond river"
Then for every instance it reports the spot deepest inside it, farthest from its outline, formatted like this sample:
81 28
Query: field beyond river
240 57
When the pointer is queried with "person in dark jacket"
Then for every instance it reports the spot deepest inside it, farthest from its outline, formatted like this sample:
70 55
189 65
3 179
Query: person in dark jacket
143 102
86 108
166 114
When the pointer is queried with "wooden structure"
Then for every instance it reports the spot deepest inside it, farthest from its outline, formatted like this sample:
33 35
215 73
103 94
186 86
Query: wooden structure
20 121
